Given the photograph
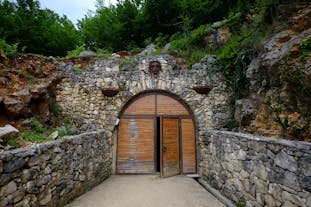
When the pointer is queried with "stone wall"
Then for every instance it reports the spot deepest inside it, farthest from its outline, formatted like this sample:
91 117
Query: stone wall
53 173
258 171
79 94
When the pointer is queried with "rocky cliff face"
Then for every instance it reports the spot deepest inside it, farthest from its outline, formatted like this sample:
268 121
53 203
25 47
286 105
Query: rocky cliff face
27 84
280 77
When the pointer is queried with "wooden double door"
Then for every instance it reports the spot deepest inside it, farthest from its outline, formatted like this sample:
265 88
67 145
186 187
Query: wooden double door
156 134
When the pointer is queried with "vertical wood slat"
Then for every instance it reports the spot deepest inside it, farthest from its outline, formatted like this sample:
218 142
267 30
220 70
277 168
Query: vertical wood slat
142 106
169 106
137 155
188 146
135 146
170 146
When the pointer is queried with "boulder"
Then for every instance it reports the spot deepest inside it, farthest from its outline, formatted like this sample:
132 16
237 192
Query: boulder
86 53
149 50
54 135
7 130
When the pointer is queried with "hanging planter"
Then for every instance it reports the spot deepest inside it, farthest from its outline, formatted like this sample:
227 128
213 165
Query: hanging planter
203 89
110 92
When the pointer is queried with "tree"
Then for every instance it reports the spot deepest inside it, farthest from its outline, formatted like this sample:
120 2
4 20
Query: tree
39 31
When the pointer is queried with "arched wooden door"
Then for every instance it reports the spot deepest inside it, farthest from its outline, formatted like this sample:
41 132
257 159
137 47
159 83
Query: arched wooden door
156 134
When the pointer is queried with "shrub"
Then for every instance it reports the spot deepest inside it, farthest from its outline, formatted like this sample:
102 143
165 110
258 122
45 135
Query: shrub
75 52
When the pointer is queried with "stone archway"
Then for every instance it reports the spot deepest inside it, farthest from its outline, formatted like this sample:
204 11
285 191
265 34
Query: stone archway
156 134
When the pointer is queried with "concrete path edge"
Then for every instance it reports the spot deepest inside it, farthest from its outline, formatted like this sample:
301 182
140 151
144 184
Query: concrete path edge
217 194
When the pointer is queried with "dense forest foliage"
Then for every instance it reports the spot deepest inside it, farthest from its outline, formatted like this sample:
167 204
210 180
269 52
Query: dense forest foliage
35 30
130 24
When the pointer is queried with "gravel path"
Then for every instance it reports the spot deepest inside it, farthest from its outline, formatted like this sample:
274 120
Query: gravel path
147 191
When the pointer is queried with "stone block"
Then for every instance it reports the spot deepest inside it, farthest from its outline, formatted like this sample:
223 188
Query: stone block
294 199
8 189
260 186
286 161
288 204
7 130
257 146
45 197
291 180
305 183
14 165
270 201
305 165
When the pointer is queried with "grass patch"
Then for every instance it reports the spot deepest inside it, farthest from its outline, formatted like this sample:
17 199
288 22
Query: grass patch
33 136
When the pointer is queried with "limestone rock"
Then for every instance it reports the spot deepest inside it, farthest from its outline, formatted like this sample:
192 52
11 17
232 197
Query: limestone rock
87 53
149 50
7 130
8 189
245 111
45 197
54 135
180 64
285 161
288 204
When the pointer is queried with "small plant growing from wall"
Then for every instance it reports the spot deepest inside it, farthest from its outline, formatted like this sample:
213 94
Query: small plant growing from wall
128 64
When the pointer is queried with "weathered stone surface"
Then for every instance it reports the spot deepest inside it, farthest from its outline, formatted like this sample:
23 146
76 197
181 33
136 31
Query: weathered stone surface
271 88
14 165
288 204
40 175
87 53
54 135
45 197
80 95
259 170
285 161
305 183
7 130
8 189
245 111
305 166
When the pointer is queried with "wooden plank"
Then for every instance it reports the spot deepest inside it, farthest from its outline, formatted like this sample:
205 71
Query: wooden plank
169 106
170 147
188 146
135 152
142 106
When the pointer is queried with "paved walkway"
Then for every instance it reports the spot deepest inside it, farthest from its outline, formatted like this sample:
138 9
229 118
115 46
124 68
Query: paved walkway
147 191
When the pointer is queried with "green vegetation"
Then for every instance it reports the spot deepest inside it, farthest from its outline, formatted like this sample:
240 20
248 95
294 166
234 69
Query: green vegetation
12 140
131 24
38 132
306 50
128 64
6 48
77 69
75 52
30 78
30 29
240 204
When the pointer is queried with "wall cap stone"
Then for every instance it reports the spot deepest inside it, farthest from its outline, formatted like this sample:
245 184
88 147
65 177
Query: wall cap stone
235 135
38 148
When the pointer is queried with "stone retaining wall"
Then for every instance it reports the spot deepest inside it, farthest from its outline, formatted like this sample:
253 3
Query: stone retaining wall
53 173
257 171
